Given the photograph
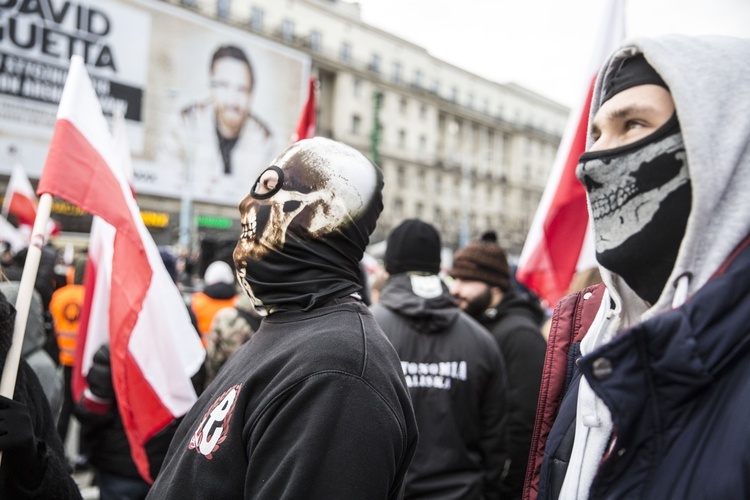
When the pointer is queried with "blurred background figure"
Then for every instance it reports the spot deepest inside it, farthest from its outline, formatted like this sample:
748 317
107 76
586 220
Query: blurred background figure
482 287
65 307
33 350
219 291
231 327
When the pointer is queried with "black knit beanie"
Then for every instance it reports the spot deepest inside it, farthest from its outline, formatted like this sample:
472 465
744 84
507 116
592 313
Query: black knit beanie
413 246
633 71
482 260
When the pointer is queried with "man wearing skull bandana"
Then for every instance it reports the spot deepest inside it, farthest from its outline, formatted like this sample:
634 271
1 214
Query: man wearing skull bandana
315 404
647 379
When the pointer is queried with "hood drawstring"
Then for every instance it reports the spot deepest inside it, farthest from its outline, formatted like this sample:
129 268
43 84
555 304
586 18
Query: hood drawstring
681 289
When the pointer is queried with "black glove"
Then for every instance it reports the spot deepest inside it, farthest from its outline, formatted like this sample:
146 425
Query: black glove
16 431
99 376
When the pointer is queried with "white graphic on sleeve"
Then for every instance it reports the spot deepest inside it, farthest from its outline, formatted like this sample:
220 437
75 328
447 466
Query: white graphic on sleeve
214 426
433 375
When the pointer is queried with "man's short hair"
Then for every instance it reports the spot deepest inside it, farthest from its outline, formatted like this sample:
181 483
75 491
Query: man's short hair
233 52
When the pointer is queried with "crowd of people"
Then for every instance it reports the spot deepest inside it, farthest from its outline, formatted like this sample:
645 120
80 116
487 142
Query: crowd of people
445 379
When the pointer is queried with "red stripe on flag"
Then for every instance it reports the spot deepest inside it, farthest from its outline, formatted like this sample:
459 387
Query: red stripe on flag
142 412
551 266
78 381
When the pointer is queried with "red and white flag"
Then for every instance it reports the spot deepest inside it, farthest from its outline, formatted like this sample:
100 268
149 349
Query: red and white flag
132 302
559 241
21 202
306 124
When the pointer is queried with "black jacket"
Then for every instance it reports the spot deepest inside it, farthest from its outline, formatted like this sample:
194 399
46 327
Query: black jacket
515 325
313 406
457 384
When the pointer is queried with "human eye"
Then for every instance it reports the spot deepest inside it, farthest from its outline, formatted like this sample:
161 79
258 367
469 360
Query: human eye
633 124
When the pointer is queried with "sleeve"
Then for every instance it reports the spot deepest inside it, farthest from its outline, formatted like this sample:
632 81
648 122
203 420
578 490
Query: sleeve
330 436
50 479
494 418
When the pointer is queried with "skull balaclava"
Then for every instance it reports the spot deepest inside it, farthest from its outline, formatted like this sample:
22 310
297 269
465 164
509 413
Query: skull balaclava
640 197
302 241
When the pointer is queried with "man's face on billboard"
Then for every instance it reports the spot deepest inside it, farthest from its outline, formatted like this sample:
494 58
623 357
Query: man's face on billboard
231 89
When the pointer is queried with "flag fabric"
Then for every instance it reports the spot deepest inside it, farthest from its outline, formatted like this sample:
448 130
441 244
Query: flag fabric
306 124
21 202
131 301
559 241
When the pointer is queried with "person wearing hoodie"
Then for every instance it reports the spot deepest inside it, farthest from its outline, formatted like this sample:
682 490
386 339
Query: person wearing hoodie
315 404
482 286
219 292
648 387
454 371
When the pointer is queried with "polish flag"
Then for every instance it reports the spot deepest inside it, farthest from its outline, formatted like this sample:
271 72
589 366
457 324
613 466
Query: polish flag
131 301
21 201
306 124
559 242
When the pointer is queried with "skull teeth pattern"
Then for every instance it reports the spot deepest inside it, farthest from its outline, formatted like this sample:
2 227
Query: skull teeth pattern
250 227
610 203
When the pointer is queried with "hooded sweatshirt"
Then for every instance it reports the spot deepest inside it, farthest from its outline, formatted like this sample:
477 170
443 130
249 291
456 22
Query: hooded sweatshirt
457 383
668 348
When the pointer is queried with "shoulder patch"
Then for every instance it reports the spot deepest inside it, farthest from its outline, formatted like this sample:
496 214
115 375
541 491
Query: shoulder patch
214 426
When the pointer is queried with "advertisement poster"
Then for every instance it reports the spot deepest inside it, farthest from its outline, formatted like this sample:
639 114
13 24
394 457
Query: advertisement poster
207 105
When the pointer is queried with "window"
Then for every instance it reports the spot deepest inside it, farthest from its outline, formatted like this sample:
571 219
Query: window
486 106
357 88
188 3
403 105
356 124
256 19
423 111
470 101
421 180
222 9
397 73
419 210
454 94
438 182
398 208
316 40
345 53
417 81
400 175
287 30
435 86
422 143
375 63
402 138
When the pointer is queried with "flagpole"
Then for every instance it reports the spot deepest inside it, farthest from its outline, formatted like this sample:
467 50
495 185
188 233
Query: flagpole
23 301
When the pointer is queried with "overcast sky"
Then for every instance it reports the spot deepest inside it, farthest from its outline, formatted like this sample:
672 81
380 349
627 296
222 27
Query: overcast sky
541 44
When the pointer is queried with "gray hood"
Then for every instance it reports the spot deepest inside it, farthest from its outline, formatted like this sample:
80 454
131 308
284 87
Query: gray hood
708 78
428 313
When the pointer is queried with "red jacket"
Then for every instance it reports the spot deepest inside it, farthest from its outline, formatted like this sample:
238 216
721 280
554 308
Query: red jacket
570 321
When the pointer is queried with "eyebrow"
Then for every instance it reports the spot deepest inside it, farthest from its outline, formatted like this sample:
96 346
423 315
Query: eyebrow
624 112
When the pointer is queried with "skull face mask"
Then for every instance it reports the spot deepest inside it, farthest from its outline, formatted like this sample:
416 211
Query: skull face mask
304 233
640 199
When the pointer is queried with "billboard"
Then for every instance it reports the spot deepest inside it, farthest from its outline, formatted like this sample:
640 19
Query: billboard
207 105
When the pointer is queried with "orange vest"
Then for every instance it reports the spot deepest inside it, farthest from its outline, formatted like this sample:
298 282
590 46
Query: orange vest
65 307
205 308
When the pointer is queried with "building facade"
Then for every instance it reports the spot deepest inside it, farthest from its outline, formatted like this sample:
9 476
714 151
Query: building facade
456 150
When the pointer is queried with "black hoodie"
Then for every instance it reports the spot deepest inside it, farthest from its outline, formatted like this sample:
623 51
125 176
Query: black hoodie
457 384
515 326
